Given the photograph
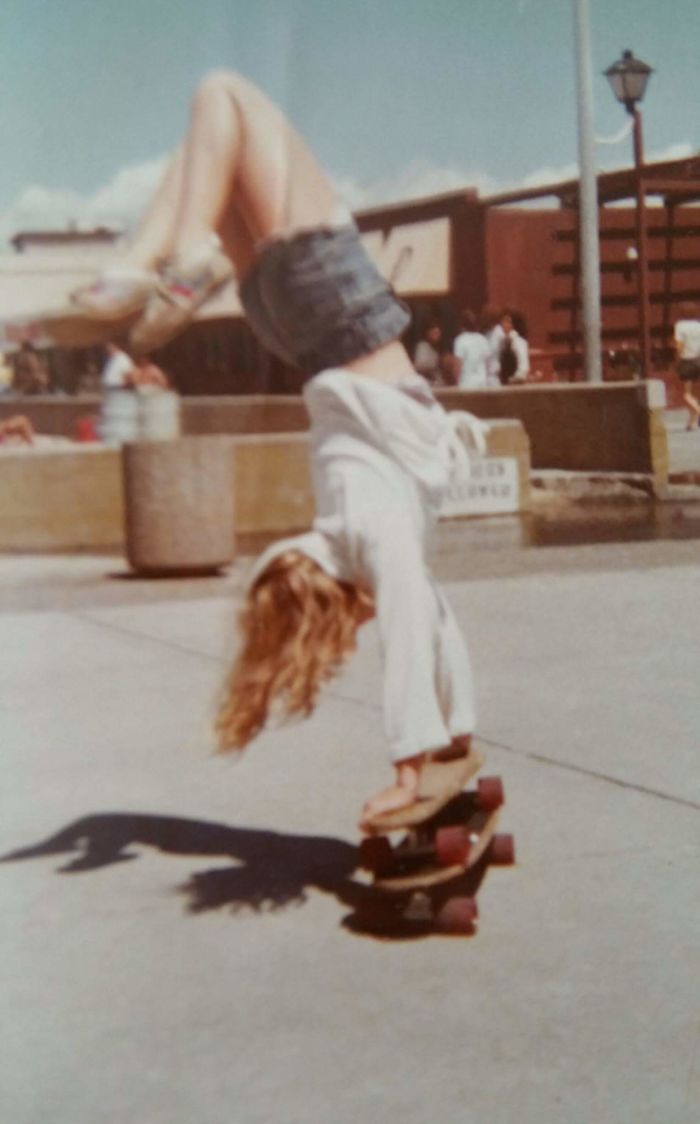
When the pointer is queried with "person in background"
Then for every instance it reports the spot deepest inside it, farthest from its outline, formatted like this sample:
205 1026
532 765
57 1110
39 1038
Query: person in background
31 375
490 326
472 351
146 375
17 430
117 368
428 355
6 375
686 339
89 380
513 353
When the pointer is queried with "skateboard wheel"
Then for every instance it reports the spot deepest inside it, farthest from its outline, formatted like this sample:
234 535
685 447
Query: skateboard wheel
501 850
376 854
490 793
458 915
452 845
378 917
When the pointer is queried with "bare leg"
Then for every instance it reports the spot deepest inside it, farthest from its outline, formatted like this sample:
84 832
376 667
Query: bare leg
241 170
154 237
689 397
123 288
248 175
241 152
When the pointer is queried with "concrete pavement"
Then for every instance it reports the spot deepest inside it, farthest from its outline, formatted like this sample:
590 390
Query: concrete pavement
176 951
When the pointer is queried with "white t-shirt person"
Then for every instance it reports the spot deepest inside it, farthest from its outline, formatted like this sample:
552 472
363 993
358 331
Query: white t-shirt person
472 350
116 369
686 333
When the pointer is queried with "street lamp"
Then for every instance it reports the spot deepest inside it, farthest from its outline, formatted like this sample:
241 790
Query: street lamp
628 79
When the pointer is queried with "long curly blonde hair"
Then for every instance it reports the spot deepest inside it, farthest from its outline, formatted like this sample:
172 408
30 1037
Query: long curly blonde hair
298 627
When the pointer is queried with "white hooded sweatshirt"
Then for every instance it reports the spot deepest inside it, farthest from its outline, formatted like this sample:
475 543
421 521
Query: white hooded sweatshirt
383 458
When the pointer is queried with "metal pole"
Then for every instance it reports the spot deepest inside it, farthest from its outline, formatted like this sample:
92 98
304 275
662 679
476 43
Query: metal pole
588 198
642 253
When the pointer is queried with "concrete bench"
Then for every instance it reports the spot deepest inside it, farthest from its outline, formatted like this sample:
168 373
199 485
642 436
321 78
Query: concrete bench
72 498
574 427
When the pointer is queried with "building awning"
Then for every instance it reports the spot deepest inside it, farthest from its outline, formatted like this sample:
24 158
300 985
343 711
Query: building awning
414 256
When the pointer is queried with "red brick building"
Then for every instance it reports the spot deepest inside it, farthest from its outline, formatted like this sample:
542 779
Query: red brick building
507 251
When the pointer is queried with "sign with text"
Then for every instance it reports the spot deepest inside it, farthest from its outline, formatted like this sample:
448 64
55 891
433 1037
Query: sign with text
492 488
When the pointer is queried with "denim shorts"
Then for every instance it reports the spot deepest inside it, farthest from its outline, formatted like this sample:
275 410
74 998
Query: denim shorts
316 299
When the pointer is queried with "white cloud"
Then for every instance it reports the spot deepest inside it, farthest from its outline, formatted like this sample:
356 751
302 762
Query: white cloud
545 175
678 151
40 205
418 180
122 199
117 203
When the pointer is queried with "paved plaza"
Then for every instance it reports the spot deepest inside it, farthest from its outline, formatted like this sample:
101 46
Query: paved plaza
176 949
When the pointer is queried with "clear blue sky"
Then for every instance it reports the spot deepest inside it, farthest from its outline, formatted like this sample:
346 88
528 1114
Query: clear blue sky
90 87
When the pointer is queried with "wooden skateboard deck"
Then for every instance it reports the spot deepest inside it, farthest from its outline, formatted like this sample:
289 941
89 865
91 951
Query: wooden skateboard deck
416 865
421 884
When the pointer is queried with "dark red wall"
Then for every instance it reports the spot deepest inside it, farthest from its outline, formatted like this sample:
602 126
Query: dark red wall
533 265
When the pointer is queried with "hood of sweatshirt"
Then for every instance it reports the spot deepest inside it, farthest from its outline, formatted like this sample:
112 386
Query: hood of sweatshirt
357 415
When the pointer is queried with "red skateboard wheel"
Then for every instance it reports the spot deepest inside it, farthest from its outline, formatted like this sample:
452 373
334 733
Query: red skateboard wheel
490 793
458 915
501 851
452 845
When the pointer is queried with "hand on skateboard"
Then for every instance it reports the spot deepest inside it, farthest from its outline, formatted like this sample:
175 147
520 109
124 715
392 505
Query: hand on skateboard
441 778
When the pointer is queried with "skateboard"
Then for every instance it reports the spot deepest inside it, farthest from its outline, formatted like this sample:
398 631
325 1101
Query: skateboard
426 881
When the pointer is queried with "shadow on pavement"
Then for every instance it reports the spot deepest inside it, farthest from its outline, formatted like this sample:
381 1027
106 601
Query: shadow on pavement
272 870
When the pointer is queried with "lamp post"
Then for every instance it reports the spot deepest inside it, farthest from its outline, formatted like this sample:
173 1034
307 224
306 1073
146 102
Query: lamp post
628 79
588 198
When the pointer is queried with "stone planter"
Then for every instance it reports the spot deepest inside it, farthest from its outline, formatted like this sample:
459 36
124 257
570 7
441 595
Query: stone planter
119 417
179 505
158 415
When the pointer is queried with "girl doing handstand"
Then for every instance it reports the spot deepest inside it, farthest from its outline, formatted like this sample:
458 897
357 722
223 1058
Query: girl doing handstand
245 189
